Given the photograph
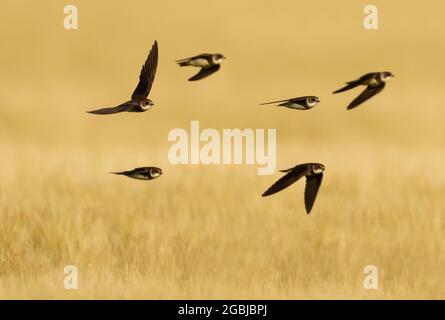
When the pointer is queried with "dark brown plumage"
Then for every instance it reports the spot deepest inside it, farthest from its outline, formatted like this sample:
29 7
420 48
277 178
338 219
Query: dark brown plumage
208 62
142 173
375 82
314 176
139 101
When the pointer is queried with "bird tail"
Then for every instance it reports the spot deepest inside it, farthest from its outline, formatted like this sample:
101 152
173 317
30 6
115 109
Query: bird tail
120 108
273 102
349 85
120 172
183 62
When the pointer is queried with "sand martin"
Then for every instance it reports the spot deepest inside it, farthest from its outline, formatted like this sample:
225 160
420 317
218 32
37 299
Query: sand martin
139 101
143 173
300 103
314 175
375 82
208 62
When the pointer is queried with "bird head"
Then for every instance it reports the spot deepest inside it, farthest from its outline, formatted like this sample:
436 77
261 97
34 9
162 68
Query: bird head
218 57
146 104
312 101
155 172
318 168
386 75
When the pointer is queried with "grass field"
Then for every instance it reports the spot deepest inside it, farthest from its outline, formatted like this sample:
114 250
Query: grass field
205 231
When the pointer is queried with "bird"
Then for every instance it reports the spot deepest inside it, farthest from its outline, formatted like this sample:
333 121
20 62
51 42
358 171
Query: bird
142 173
314 175
139 99
300 103
374 82
208 62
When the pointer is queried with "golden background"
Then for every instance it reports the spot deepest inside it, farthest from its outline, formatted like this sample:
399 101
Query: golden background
205 231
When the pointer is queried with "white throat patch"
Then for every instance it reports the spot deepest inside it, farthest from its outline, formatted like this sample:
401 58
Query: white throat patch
312 103
318 170
217 60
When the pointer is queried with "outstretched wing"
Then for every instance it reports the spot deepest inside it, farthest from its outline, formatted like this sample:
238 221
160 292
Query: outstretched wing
273 102
350 85
369 92
298 169
286 180
279 101
148 73
310 192
120 108
205 72
120 172
206 56
354 83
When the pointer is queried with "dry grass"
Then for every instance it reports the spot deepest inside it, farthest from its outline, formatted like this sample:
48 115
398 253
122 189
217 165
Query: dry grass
205 232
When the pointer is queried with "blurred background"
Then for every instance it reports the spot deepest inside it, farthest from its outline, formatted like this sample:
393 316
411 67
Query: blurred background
204 231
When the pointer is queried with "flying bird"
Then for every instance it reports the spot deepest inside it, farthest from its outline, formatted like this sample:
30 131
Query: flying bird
300 103
208 62
139 101
314 175
142 173
375 82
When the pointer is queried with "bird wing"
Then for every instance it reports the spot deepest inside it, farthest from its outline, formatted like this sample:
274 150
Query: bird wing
148 73
120 108
299 100
272 102
310 192
299 169
354 83
120 172
285 181
142 170
205 72
350 85
203 55
369 92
